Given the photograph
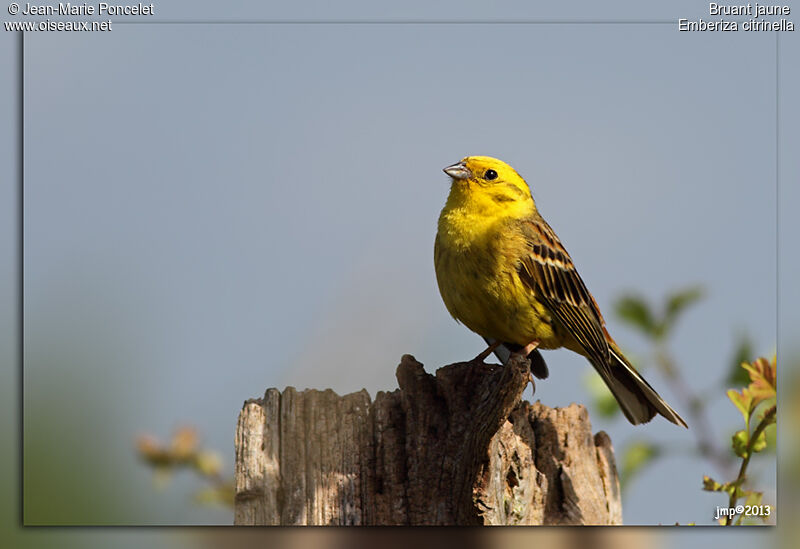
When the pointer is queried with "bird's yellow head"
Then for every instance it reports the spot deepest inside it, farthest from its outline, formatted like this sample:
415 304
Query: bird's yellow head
490 187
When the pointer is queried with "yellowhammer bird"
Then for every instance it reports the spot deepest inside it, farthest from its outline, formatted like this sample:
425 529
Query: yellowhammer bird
503 272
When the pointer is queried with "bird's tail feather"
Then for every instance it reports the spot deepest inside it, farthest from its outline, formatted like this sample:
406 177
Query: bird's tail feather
638 400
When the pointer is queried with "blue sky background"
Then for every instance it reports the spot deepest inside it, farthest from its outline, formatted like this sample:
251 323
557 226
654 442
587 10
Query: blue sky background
211 210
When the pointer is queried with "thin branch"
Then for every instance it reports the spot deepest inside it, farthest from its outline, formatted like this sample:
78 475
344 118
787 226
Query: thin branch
696 411
769 415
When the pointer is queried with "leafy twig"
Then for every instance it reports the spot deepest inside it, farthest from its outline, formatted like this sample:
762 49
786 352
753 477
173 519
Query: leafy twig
761 390
696 410
769 417
656 327
182 452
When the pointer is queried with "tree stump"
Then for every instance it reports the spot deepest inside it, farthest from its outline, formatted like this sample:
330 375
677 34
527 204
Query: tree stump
457 448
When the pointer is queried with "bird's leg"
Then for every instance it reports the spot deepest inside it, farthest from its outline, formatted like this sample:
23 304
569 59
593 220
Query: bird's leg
527 349
489 350
524 352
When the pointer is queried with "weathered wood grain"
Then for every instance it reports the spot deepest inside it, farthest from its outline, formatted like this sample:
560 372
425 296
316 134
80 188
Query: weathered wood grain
455 448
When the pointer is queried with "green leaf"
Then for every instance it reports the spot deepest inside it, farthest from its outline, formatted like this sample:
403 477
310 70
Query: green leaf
756 498
711 485
763 382
740 440
743 401
761 442
635 457
636 312
753 498
733 488
677 303
771 433
744 350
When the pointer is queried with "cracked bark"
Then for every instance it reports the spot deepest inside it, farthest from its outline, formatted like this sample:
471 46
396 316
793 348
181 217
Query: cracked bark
455 448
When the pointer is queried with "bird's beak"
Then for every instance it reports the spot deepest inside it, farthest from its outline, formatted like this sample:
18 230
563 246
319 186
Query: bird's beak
458 171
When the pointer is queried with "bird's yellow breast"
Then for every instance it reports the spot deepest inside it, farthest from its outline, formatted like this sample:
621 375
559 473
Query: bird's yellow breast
476 258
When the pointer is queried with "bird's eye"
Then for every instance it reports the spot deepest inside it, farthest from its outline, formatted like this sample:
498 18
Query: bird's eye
490 175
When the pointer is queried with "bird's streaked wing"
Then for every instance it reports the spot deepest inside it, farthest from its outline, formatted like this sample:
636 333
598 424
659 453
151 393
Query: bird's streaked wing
548 270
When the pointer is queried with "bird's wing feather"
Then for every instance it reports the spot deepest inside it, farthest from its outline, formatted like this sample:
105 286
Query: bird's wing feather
548 270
